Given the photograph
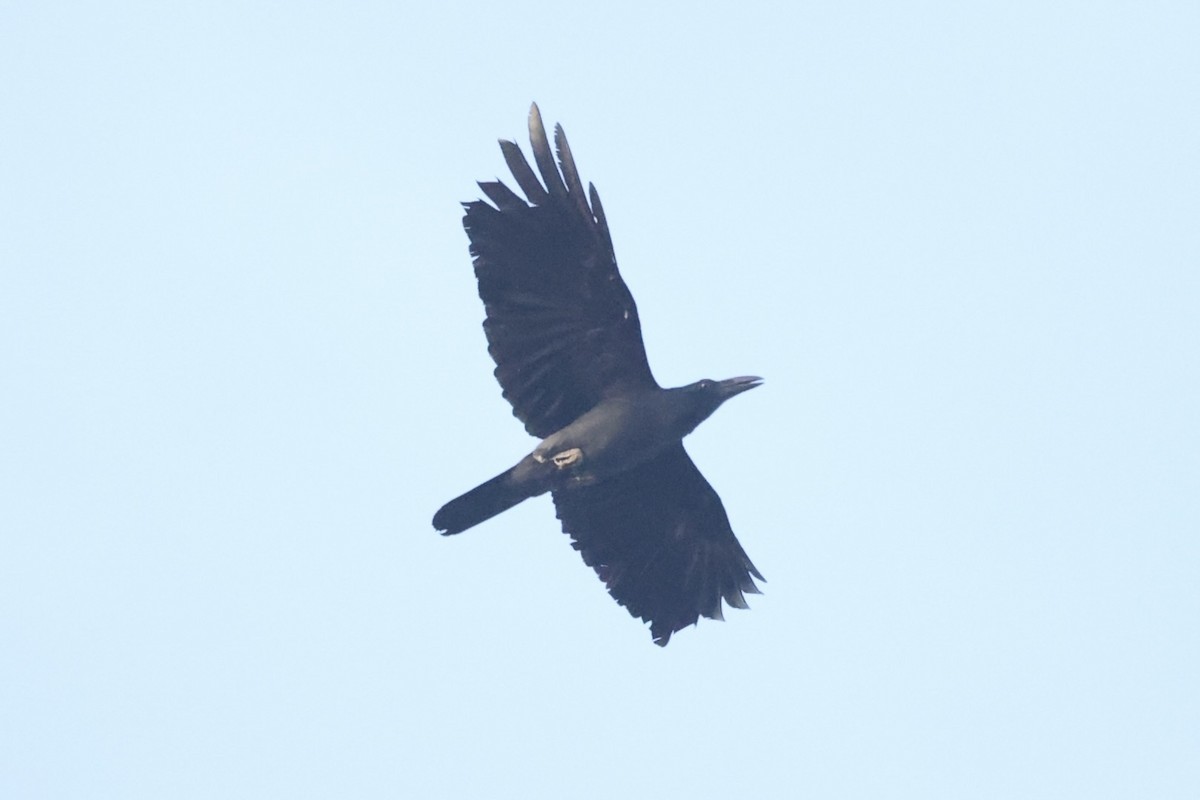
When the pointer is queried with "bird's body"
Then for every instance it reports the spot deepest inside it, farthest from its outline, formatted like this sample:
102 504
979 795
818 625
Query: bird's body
623 432
619 433
565 335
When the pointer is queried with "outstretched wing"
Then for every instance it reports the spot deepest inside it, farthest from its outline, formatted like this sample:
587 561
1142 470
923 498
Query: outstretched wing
561 325
659 538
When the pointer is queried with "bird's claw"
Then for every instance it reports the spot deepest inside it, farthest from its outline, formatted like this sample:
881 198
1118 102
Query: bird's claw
567 458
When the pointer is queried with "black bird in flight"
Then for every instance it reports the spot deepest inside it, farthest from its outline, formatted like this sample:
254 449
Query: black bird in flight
563 330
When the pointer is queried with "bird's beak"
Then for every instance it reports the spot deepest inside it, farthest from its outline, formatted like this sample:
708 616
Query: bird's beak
734 386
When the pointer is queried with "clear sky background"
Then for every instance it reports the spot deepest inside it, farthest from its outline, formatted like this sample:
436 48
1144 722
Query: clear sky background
242 366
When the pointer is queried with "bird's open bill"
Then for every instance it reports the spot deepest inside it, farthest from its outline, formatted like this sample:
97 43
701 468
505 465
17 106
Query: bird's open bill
735 386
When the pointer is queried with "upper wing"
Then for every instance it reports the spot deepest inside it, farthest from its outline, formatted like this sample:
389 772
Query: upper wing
561 325
660 540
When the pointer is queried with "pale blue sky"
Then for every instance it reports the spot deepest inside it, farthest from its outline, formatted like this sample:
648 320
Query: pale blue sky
242 366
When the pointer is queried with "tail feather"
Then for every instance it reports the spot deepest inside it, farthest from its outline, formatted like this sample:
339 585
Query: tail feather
481 503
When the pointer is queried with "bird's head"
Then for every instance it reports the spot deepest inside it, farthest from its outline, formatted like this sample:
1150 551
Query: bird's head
705 396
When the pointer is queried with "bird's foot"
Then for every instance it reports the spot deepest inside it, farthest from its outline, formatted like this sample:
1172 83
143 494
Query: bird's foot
567 458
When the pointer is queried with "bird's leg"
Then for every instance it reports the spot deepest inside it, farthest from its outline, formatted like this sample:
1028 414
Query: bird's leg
567 458
553 451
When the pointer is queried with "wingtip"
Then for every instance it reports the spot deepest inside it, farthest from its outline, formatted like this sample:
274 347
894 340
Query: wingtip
543 156
522 172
